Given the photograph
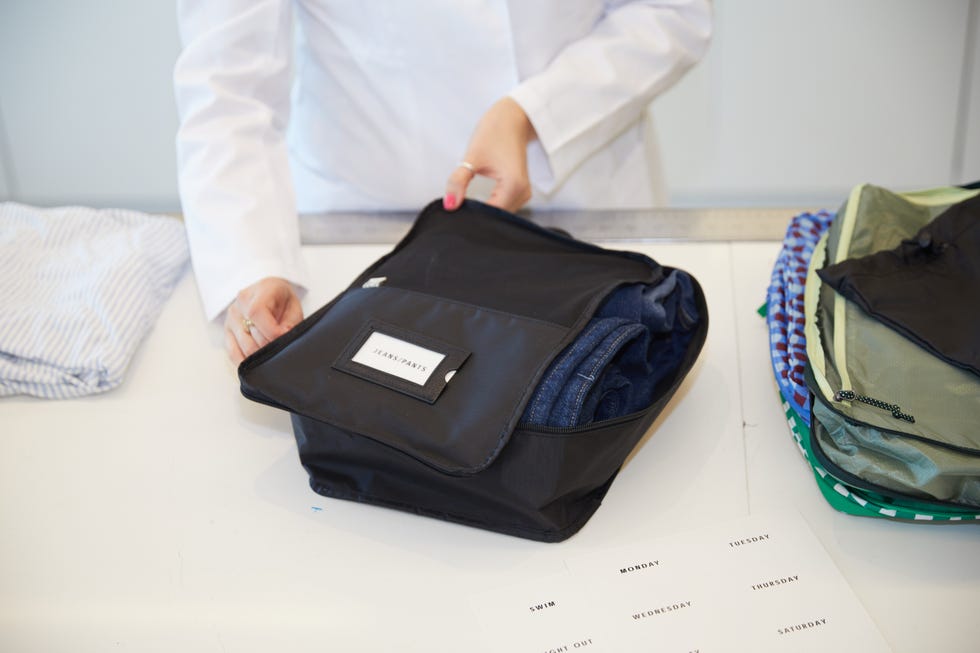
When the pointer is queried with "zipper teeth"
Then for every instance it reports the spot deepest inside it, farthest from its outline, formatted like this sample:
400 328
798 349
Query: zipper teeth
558 430
904 434
894 409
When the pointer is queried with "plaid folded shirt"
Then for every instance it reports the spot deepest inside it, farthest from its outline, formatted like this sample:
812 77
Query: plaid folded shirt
784 307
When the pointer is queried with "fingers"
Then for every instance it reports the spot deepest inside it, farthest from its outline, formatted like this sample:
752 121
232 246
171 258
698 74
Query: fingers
261 313
240 342
456 187
266 327
510 194
498 150
292 314
231 346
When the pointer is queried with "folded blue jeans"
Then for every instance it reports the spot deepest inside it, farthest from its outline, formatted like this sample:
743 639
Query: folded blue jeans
635 340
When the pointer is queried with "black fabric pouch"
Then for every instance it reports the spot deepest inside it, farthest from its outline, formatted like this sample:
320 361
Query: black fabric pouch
927 288
408 390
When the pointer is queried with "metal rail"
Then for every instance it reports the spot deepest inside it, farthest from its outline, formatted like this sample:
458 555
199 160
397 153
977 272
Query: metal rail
764 224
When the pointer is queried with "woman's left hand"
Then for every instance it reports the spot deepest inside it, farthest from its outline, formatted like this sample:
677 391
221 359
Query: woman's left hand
498 150
260 314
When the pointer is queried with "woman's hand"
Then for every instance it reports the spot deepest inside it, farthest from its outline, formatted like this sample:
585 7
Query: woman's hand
260 314
498 150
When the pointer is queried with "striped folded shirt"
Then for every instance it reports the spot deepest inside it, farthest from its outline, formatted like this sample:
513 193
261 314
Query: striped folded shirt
79 290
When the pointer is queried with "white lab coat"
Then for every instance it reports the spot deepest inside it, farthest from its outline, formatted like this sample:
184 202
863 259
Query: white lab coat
370 105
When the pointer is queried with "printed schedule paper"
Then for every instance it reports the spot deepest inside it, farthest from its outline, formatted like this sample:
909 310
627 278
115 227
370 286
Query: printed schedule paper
757 584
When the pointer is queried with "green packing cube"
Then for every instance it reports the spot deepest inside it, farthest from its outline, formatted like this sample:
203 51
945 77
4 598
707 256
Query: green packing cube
891 421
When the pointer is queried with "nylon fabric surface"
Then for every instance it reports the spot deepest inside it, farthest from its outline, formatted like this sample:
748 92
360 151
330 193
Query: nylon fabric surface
927 288
881 363
932 454
913 468
861 501
511 295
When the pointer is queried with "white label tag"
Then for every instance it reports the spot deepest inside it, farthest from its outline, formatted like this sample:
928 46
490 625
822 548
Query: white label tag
398 358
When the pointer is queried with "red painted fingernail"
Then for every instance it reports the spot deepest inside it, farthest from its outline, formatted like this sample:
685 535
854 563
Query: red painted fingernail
449 201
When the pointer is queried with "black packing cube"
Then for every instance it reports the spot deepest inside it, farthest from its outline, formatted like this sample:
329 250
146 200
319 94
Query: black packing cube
419 387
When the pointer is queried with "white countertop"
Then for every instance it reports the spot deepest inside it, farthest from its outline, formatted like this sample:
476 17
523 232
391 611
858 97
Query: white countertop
172 514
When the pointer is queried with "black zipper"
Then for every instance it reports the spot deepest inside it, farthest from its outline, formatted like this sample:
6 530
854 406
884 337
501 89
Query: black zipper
591 426
685 366
817 395
894 409
913 436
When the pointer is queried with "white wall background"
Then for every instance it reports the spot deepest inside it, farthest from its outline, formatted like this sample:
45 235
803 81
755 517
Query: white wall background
796 102
86 102
969 168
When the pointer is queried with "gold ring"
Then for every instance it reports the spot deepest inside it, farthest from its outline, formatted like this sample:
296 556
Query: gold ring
247 324
467 165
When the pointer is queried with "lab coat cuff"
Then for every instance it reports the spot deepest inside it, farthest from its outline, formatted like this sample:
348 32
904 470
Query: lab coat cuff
549 162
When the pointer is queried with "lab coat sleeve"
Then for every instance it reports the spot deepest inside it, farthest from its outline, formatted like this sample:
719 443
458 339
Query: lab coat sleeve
232 84
599 85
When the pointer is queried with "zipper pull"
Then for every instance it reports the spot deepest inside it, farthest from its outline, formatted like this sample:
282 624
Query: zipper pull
850 395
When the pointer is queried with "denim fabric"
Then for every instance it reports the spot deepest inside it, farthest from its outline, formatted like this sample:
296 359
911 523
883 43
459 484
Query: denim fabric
635 340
